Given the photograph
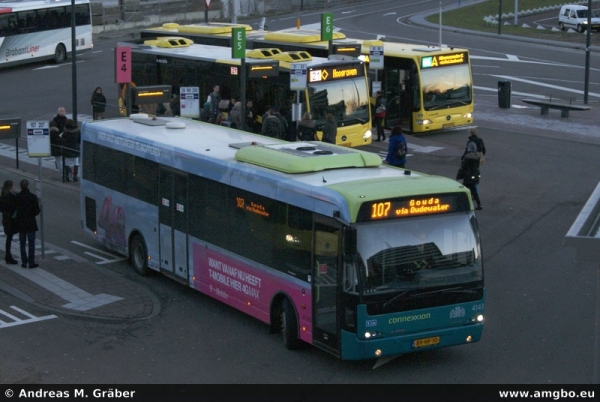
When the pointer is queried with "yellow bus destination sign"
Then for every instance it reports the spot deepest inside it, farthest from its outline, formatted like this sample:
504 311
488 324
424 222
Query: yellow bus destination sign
412 206
335 73
444 60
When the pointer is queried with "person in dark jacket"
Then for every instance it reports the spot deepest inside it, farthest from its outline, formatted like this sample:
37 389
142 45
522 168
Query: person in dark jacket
307 131
60 119
478 143
98 104
379 119
329 129
8 207
28 208
397 143
470 172
56 145
72 138
235 116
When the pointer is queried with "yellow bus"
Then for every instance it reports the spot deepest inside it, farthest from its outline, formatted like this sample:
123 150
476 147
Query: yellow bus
335 85
426 88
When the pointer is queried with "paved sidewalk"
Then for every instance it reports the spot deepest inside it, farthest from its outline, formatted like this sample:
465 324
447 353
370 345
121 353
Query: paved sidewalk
64 282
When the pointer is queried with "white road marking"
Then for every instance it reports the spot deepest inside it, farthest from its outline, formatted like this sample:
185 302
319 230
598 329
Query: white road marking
112 258
78 299
541 84
18 321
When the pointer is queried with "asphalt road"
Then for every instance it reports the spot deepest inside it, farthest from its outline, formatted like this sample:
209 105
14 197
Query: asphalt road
541 308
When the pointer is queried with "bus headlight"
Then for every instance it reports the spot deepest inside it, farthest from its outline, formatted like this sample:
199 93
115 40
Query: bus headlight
480 318
424 122
468 115
368 134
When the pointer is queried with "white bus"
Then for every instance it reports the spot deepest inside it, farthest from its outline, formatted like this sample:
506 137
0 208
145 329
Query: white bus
38 30
321 242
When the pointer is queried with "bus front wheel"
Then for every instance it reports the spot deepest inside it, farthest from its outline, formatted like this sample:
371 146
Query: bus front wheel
289 326
60 54
138 255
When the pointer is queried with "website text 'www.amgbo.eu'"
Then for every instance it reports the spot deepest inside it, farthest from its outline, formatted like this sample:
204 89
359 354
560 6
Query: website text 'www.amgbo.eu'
554 395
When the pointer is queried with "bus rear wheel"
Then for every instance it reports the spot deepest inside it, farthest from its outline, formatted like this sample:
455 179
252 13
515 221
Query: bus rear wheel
60 54
289 326
138 255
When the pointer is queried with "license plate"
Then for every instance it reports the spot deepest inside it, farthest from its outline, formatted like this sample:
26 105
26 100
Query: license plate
419 343
445 125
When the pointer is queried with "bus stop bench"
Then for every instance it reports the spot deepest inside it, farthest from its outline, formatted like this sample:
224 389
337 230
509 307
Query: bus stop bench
563 107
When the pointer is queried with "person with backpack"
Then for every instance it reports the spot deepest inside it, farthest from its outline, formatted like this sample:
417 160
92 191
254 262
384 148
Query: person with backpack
478 143
272 126
397 148
469 171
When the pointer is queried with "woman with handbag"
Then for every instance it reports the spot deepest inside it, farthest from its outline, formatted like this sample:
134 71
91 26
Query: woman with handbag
380 115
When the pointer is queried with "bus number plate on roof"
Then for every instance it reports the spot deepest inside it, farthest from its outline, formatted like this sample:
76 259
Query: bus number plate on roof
419 343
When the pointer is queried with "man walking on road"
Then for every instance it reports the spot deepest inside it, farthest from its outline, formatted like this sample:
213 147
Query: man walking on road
28 208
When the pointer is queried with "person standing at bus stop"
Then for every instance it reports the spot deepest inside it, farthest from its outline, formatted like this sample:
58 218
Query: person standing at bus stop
8 207
60 119
72 138
28 208
98 104
380 115
214 98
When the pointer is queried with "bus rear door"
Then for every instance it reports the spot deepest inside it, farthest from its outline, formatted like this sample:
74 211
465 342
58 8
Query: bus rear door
173 223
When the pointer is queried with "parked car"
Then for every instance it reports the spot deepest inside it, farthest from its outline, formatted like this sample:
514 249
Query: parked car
576 17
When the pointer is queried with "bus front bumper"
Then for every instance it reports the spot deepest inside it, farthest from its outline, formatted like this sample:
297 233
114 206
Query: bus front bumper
357 349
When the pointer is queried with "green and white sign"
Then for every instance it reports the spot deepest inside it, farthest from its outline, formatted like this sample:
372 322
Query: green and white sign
238 47
327 26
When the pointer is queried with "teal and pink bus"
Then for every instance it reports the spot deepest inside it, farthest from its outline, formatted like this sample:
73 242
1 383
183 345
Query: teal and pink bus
323 243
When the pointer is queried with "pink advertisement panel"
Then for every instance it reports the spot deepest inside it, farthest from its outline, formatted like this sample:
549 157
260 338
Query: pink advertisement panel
248 288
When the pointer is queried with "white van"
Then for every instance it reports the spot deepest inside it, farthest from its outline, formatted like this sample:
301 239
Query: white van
576 16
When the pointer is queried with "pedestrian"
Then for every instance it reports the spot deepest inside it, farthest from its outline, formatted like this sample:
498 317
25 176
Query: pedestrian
72 138
307 131
231 104
235 115
329 129
478 143
397 148
98 104
469 171
56 145
284 122
60 119
272 126
252 124
380 115
8 207
175 105
28 208
205 113
214 98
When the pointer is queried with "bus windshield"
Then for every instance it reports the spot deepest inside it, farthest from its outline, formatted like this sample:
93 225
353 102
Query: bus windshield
446 87
346 99
419 253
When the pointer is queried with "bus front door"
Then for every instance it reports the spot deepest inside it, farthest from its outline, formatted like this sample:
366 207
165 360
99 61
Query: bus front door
326 268
173 223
